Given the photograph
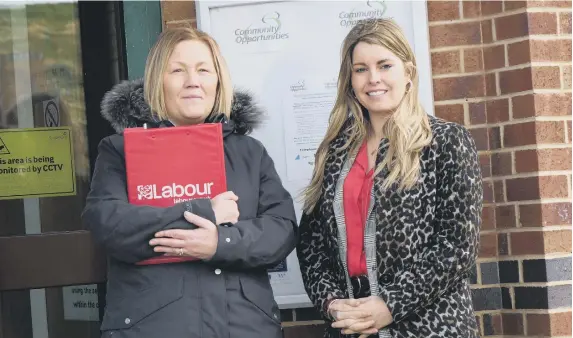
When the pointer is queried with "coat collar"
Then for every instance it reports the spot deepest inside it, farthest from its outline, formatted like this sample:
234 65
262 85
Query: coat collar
124 106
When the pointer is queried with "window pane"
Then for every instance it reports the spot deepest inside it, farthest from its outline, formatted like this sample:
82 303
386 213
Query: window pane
41 87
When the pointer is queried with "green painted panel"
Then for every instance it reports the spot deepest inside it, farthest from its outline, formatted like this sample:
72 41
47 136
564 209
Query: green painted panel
142 20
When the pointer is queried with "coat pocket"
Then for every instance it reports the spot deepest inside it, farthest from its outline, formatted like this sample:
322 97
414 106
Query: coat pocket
130 310
258 291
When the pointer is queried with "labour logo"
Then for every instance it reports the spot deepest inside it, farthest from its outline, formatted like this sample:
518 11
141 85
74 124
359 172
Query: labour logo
144 192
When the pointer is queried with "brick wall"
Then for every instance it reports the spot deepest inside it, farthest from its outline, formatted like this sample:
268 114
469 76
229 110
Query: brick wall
503 69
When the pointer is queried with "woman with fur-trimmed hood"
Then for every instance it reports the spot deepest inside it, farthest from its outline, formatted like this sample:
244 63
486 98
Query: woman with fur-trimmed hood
226 293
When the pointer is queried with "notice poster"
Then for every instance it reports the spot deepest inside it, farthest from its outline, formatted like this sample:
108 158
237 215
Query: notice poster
81 302
36 162
306 112
287 53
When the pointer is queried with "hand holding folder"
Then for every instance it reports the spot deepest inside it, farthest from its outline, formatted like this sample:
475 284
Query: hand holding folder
167 166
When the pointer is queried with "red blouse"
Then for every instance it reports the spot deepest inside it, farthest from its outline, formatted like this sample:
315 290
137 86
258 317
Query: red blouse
357 187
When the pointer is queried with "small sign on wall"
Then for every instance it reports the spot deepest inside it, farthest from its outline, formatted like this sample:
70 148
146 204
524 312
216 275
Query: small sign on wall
81 302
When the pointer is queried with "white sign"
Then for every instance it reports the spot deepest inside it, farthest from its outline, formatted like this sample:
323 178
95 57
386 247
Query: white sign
81 302
288 54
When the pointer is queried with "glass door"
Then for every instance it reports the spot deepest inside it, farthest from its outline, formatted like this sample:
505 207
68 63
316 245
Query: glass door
51 273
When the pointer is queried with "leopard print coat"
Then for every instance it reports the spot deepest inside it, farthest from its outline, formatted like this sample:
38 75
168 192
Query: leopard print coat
426 239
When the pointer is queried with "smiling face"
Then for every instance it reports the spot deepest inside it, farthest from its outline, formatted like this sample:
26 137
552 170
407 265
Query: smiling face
379 78
190 83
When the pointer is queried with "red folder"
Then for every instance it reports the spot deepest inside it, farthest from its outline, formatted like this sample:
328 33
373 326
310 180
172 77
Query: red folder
166 166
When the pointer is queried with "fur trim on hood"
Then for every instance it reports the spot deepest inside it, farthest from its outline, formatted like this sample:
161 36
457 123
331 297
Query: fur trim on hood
124 106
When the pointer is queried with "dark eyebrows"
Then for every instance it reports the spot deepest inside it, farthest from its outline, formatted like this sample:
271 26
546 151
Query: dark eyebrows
379 62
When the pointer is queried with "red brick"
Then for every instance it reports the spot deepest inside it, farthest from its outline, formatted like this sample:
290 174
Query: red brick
472 9
540 242
567 76
543 215
541 105
542 23
501 164
505 217
497 111
549 3
485 165
519 134
494 138
480 137
540 132
527 243
488 218
487 31
499 191
511 5
488 246
491 84
488 192
511 26
546 77
542 160
446 62
473 60
551 50
534 188
496 322
514 81
453 112
558 241
553 186
565 23
568 131
549 132
477 113
443 10
459 87
512 322
549 324
494 57
491 7
518 53
177 10
457 34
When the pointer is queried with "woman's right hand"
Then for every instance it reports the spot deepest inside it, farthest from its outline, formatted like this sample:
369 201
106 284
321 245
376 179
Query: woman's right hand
225 207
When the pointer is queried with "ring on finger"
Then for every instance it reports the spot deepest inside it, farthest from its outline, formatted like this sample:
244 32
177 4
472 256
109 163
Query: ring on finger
180 252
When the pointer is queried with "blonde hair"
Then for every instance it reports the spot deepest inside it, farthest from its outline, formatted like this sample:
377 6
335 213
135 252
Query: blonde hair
157 63
407 129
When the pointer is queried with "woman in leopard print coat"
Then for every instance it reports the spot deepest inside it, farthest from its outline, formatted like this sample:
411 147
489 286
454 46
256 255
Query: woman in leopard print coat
421 227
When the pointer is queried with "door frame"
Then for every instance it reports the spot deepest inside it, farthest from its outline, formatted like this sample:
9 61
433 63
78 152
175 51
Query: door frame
72 258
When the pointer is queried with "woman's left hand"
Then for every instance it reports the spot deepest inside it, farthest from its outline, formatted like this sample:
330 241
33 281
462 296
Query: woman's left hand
200 243
379 314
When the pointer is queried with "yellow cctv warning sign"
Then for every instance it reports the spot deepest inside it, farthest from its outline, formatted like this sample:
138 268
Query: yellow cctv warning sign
36 162
3 149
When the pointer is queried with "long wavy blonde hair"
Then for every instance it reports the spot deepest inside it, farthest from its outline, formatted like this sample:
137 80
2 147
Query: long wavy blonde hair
407 129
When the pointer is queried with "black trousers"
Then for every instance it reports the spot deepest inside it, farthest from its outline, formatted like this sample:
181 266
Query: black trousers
361 289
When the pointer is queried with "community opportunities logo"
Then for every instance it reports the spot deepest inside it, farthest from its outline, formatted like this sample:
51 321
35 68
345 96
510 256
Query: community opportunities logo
298 86
269 30
373 9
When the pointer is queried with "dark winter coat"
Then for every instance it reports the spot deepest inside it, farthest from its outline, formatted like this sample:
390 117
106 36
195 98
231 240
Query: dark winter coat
227 297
